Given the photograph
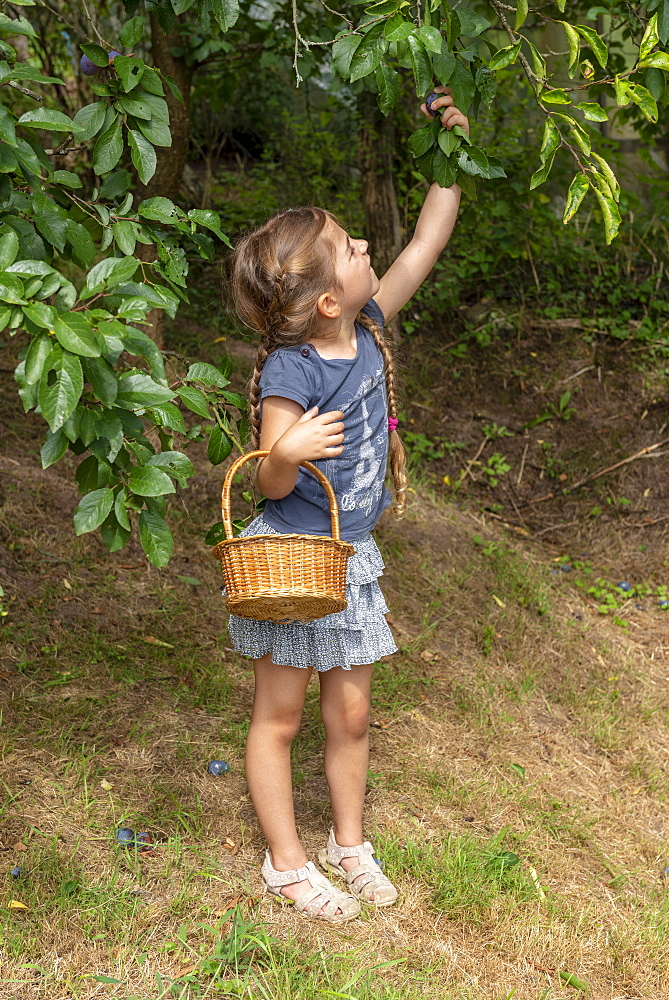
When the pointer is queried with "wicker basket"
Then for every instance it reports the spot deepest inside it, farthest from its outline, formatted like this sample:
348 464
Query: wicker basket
283 578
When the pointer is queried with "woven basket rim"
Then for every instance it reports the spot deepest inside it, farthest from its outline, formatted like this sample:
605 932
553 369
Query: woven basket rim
336 542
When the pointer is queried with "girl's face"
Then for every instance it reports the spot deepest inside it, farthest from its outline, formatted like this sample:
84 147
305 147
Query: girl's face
357 280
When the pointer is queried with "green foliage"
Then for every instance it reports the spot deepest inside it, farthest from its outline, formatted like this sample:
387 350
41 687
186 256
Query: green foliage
78 299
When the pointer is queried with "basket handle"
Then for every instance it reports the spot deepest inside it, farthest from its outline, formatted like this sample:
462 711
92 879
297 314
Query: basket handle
237 464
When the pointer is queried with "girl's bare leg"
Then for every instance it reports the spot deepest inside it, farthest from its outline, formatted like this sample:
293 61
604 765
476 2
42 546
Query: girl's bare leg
345 713
275 721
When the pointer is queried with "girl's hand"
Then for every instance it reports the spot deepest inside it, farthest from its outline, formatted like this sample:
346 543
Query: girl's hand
445 105
311 437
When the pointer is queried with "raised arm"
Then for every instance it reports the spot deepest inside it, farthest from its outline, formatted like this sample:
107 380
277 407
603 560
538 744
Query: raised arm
433 229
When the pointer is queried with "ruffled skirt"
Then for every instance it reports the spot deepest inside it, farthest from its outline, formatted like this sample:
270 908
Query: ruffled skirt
356 636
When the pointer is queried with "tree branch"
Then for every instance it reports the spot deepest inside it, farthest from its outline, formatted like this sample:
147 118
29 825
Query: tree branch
23 90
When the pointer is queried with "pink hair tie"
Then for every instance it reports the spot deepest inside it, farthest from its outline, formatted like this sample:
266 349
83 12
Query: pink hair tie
392 424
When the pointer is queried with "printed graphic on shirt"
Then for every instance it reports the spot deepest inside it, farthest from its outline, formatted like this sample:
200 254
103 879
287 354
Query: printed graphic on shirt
366 485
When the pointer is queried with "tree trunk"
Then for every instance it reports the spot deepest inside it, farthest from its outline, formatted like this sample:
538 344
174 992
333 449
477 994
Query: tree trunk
171 160
382 216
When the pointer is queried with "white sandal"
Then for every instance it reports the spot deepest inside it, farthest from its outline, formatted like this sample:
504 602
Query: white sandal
366 879
321 902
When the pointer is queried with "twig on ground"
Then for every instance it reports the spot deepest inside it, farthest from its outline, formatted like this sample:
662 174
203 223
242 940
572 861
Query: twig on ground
522 463
602 472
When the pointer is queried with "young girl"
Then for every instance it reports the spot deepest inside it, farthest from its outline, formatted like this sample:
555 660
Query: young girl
322 390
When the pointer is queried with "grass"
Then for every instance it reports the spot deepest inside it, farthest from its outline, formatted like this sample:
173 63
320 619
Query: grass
517 786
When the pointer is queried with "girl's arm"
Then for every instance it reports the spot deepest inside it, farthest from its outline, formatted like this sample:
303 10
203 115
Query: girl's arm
293 437
433 229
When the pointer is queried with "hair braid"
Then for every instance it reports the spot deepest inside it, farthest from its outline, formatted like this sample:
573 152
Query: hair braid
397 453
254 395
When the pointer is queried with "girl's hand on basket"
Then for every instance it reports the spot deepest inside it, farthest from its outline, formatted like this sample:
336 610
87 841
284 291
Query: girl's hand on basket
314 435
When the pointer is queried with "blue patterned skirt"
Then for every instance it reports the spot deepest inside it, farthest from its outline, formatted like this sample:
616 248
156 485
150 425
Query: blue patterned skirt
356 636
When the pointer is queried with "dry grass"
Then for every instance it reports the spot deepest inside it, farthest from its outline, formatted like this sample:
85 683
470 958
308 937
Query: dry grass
515 719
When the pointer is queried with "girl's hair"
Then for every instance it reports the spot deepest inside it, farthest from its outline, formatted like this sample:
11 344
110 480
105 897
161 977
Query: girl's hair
277 273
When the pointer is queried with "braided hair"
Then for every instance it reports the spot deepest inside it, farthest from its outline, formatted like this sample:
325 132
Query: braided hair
277 273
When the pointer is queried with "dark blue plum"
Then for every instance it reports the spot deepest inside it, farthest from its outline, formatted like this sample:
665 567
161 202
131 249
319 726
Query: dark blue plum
16 872
429 101
218 767
113 54
125 835
624 585
88 68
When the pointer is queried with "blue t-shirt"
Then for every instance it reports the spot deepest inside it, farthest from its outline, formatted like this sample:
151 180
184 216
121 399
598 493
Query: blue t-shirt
357 387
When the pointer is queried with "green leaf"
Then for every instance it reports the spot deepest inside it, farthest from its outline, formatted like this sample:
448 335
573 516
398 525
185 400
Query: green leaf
174 463
140 391
420 64
610 213
11 290
388 84
54 448
521 13
102 378
550 141
342 54
424 138
444 169
129 70
90 120
538 61
471 22
16 26
219 446
448 141
367 55
540 175
593 112
75 333
194 400
571 980
38 352
158 210
398 28
92 510
210 220
143 155
226 13
125 236
577 192
132 32
430 37
82 244
66 178
58 399
645 100
504 57
120 508
658 60
169 415
9 248
156 539
97 55
556 96
595 43
574 42
463 86
108 273
41 314
607 172
650 38
207 374
156 132
108 148
146 481
113 534
47 118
